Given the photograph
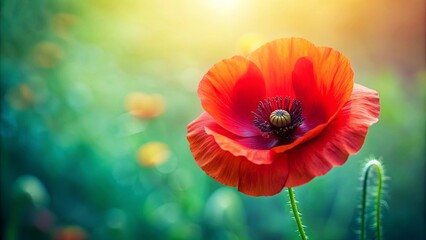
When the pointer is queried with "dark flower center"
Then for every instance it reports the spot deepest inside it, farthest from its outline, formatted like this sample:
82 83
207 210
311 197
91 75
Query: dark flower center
278 116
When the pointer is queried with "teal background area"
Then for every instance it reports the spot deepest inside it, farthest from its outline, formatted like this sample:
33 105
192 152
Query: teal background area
69 162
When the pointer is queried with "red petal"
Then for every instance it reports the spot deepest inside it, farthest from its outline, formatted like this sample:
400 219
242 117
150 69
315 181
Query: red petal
263 180
276 60
323 83
230 91
317 109
345 135
256 149
217 163
251 179
321 90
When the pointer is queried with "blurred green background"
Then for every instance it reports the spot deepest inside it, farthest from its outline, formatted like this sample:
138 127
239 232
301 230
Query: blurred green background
96 96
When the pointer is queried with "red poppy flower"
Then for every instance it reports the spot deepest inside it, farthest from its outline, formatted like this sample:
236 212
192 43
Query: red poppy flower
286 113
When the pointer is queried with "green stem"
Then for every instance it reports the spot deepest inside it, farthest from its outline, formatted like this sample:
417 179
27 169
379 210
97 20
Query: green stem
296 214
378 166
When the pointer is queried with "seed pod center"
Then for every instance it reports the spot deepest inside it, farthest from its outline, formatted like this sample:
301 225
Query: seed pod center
280 118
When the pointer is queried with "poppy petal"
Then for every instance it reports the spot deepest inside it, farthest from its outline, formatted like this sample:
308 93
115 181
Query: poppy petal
230 91
322 84
276 60
217 163
256 149
345 135
321 98
251 179
263 180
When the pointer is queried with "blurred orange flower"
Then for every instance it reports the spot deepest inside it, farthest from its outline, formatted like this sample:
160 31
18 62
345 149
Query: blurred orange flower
153 153
145 105
62 23
21 97
71 232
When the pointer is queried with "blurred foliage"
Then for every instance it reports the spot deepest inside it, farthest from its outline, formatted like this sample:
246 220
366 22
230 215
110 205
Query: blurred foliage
96 96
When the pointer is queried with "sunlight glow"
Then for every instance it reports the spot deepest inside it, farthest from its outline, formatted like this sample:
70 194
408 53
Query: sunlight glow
223 5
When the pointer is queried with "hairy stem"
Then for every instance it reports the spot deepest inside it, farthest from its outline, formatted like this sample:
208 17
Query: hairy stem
296 214
378 167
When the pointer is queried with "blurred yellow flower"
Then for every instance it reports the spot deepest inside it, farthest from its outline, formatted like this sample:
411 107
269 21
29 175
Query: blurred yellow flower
145 105
47 54
71 232
21 97
153 153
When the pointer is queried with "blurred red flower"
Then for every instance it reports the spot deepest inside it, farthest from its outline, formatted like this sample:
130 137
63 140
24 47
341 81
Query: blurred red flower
286 113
